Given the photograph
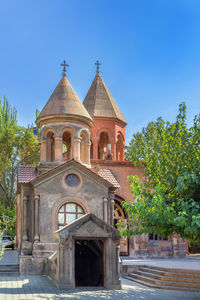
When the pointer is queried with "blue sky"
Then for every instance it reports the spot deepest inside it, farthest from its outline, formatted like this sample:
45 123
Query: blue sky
149 51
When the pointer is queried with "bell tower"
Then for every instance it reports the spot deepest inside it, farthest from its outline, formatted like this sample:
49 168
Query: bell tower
64 125
108 132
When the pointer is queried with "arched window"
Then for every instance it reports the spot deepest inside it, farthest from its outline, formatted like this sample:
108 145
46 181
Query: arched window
50 146
69 212
118 213
66 146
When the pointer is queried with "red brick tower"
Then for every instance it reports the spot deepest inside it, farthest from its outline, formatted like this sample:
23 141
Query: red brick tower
108 132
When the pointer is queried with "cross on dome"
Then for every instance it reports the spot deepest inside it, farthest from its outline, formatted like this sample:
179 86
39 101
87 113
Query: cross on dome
97 63
64 65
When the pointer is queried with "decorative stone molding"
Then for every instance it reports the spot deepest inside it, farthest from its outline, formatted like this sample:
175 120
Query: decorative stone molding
104 129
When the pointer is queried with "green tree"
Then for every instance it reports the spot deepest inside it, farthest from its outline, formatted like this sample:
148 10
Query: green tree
168 201
8 220
18 146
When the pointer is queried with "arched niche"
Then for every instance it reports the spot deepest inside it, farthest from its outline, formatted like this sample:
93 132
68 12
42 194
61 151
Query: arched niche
67 145
104 141
50 146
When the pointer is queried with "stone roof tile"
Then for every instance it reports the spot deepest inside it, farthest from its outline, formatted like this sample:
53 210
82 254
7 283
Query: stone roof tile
25 174
109 176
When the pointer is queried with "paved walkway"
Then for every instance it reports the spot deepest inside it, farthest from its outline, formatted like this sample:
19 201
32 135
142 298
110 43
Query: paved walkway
41 288
190 263
10 257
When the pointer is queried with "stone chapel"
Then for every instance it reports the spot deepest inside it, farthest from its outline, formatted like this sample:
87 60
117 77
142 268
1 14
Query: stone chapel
68 206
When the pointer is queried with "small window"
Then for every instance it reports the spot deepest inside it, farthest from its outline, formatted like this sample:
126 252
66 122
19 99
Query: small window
156 237
72 180
68 213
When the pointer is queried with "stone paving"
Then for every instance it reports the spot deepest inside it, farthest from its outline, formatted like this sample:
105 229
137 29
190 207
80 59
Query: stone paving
10 257
41 288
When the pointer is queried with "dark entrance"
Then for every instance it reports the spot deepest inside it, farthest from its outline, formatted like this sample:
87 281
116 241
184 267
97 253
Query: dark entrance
89 263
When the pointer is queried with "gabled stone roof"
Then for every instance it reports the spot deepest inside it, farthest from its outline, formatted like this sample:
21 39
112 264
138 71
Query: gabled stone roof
100 103
64 101
91 220
27 174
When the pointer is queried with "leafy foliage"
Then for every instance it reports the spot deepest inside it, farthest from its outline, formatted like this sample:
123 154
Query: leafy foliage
168 201
18 145
8 220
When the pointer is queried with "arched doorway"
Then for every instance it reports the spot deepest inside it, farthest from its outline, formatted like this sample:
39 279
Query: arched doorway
119 215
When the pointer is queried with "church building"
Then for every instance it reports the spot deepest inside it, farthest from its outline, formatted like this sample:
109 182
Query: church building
68 206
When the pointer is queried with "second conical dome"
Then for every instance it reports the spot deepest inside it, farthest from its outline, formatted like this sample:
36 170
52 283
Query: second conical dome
100 103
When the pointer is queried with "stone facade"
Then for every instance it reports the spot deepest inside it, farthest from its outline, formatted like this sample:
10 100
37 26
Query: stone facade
69 204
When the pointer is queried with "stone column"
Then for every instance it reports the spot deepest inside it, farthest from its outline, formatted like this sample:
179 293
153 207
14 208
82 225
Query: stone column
95 149
105 209
88 145
58 148
43 150
117 261
111 197
112 202
36 236
25 201
113 150
76 150
122 154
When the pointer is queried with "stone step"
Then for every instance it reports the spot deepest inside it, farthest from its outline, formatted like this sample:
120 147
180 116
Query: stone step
174 270
162 287
9 270
163 282
172 273
9 267
168 277
15 274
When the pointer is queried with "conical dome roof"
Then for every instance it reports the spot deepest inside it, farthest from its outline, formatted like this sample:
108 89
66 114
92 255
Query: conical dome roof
100 103
64 103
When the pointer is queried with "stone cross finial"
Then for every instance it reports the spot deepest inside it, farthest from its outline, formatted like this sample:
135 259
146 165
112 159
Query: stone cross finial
64 65
97 63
